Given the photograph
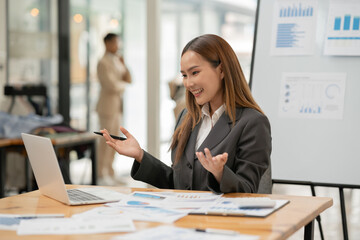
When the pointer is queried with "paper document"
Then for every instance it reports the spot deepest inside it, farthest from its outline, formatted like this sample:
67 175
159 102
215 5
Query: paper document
229 207
343 28
183 202
152 214
12 221
193 197
176 233
64 226
165 207
100 212
139 213
294 27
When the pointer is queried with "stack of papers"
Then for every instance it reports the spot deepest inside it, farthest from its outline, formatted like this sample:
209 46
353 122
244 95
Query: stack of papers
247 207
163 207
168 200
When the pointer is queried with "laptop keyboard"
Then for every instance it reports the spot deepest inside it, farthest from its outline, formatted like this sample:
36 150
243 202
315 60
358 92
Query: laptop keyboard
79 196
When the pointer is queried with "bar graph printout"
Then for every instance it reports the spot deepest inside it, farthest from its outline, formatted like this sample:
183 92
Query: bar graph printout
312 95
343 28
294 27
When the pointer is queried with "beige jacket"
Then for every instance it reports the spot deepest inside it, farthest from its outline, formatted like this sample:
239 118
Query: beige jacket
113 76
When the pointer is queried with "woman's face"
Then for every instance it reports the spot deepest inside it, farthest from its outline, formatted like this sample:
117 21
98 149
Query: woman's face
202 80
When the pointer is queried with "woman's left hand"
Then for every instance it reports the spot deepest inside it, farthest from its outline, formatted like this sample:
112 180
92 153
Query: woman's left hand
215 165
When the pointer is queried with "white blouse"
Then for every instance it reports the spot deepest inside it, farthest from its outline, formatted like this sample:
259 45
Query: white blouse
207 123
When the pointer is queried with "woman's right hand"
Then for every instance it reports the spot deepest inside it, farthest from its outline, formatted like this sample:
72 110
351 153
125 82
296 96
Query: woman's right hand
129 147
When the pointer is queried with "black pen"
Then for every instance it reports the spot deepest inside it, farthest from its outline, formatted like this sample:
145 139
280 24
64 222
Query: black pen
217 231
113 136
216 213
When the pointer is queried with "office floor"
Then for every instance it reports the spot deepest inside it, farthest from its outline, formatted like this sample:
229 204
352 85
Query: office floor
330 219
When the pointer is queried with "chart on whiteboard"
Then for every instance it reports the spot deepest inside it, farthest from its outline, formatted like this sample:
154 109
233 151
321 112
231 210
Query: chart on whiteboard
312 95
294 27
343 28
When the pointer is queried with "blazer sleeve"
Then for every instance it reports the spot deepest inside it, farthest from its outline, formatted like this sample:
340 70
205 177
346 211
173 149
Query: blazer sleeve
251 159
153 171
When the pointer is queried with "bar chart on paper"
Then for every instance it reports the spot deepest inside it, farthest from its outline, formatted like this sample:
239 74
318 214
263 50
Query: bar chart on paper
296 11
343 29
294 27
345 26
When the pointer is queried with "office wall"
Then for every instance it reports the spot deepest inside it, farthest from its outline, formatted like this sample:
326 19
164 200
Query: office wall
320 147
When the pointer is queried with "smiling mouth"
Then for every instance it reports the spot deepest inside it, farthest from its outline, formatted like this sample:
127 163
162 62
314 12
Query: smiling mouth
197 92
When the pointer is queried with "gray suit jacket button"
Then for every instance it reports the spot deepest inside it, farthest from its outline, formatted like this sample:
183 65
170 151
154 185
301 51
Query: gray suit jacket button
189 165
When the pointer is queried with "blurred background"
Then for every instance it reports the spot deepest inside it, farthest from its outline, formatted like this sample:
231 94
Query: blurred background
57 44
30 47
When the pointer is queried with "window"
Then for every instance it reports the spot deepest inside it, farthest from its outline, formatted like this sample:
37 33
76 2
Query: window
32 45
90 22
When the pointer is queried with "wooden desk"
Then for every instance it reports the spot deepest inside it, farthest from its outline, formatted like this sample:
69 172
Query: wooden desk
300 212
60 140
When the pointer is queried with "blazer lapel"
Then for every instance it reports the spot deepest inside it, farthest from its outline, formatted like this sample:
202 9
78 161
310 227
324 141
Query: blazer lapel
190 146
219 131
216 135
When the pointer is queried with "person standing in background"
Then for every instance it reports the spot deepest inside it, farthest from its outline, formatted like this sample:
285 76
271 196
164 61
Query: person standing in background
113 76
177 93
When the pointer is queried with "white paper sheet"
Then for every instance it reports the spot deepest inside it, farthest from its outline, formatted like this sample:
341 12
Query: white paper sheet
228 207
343 28
100 212
64 226
168 200
138 213
152 214
12 221
193 197
176 233
294 27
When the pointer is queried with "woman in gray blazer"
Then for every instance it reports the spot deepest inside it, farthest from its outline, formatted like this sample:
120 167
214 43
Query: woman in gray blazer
222 140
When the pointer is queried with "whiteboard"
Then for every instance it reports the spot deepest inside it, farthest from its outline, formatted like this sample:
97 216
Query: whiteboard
321 150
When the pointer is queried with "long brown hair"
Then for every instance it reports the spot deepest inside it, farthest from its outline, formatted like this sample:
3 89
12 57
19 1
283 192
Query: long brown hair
236 91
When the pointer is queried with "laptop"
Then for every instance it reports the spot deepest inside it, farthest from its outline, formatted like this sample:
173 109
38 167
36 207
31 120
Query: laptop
48 176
